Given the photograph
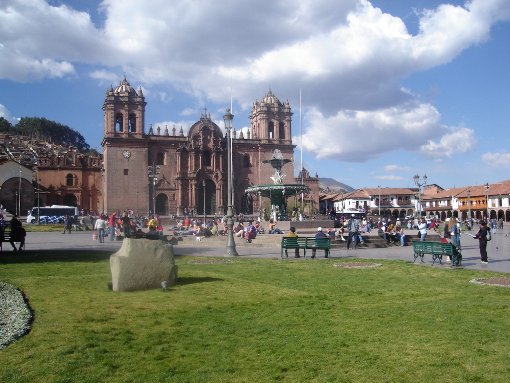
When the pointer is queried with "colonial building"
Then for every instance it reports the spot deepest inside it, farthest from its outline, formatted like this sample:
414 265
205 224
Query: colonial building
35 172
166 171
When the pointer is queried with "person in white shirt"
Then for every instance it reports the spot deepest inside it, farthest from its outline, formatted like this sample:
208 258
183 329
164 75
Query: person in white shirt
100 226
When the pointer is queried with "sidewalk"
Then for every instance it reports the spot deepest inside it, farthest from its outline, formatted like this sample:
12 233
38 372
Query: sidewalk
498 249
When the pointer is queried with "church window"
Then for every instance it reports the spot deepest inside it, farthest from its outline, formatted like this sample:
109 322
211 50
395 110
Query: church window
126 172
246 161
70 180
118 122
270 132
206 157
281 131
132 123
160 158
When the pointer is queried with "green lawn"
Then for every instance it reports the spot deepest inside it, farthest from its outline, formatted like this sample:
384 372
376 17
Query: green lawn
258 320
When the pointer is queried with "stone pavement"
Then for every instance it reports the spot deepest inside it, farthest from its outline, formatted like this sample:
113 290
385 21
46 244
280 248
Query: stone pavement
267 246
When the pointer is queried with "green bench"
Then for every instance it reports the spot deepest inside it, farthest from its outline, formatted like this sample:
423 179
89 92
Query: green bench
310 243
437 250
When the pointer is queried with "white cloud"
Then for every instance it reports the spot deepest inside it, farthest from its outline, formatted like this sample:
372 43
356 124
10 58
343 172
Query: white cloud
4 112
348 57
390 178
188 112
459 140
501 159
395 168
363 135
39 40
105 76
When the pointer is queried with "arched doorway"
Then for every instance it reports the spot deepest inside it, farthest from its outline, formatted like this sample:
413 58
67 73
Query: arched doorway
17 195
208 196
162 204
70 200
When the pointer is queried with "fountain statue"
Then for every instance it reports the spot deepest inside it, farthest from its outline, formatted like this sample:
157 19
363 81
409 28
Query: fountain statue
278 192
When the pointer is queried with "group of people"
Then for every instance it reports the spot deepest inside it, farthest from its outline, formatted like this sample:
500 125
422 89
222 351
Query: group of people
122 226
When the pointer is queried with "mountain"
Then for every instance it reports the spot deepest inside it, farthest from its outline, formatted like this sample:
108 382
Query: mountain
333 185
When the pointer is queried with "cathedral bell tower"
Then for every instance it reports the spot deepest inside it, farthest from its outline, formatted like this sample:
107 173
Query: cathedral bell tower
124 150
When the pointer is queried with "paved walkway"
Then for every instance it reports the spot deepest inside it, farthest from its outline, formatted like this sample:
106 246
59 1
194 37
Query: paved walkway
268 247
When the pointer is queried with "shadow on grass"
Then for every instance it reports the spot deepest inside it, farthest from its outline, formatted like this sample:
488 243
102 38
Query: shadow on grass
191 280
36 256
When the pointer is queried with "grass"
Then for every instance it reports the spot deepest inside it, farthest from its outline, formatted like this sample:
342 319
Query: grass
257 320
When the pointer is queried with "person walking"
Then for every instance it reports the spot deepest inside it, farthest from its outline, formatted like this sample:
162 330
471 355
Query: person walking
112 222
483 236
422 227
455 232
68 222
100 226
352 227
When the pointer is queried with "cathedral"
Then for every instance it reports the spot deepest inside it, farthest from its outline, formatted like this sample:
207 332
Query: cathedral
168 172
161 170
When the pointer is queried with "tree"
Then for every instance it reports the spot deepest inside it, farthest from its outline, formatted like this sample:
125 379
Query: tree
5 126
52 131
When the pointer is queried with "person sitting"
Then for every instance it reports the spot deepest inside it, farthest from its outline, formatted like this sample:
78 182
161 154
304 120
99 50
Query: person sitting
239 230
258 226
320 234
272 227
250 232
214 229
18 234
292 234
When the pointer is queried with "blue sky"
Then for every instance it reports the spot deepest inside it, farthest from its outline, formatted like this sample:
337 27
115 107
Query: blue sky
389 88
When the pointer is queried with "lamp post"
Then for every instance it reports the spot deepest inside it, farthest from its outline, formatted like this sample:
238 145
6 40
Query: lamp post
103 188
38 192
487 201
379 200
420 185
231 245
203 187
19 193
469 206
153 172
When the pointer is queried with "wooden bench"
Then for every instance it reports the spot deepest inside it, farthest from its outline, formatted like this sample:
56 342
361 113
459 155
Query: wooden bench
310 243
437 250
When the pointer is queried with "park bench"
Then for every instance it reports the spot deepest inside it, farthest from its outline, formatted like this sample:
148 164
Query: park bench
310 243
5 236
437 250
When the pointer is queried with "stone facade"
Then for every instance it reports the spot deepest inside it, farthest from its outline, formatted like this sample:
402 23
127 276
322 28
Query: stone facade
190 169
50 175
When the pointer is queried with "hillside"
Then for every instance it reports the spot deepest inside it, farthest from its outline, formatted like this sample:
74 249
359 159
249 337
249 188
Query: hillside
333 185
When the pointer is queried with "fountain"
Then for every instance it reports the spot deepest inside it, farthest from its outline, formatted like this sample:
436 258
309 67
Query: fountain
278 192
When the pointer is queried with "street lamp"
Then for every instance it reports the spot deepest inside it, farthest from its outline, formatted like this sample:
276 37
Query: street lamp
19 192
153 172
420 185
379 201
487 201
203 187
469 206
231 245
38 192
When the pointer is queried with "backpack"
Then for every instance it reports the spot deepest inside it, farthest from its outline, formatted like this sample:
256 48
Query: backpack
488 235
